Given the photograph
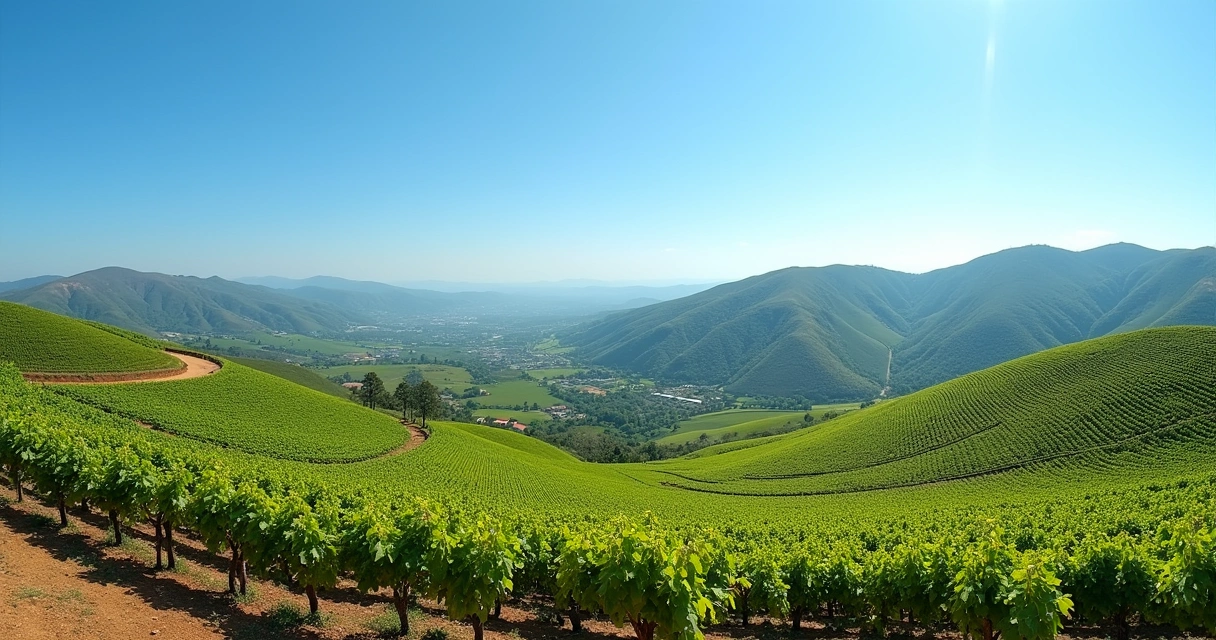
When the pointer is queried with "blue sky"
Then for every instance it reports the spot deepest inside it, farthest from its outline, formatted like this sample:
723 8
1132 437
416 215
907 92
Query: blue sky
611 140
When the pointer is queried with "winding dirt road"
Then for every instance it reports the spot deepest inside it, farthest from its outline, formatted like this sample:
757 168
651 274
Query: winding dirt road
196 367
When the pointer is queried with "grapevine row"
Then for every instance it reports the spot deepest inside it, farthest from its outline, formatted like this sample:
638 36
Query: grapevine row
663 581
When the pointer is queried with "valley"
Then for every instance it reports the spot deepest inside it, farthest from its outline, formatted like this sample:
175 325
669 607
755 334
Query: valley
608 320
1110 421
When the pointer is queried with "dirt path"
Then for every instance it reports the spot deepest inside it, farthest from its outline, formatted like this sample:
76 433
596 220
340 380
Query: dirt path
417 437
196 367
887 385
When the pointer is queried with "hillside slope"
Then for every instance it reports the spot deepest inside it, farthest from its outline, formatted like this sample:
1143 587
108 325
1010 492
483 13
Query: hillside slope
151 302
26 283
42 342
825 333
1110 399
1121 411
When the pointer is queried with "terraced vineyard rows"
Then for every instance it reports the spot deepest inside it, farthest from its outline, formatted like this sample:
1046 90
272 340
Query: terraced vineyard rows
38 341
247 410
854 564
1114 438
1107 393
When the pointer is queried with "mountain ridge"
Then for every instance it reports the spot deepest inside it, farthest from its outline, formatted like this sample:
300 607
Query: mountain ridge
824 332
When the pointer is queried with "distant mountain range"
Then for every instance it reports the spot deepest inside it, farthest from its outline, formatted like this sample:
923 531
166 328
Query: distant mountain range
17 285
600 293
830 333
155 302
151 302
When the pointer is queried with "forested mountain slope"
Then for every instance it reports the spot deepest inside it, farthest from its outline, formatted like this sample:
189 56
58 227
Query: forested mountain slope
150 302
824 333
1115 400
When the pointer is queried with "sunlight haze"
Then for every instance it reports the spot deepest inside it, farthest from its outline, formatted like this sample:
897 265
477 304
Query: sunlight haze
611 141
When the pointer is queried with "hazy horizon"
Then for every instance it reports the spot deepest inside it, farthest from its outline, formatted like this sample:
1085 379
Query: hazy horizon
622 141
567 282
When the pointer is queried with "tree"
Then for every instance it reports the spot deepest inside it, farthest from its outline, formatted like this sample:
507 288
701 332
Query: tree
404 396
414 377
475 568
372 392
387 550
426 400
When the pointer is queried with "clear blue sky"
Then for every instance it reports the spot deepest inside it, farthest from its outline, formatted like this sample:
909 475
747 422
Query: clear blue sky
596 139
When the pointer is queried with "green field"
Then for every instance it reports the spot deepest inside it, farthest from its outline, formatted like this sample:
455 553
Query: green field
512 393
1105 409
1118 411
442 376
773 420
526 417
551 345
298 343
743 423
245 409
553 373
1088 442
730 418
44 342
297 374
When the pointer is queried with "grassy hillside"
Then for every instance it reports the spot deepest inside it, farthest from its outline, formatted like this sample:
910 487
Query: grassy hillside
1111 399
739 430
827 333
1120 411
247 410
151 302
743 423
297 374
38 341
510 393
17 285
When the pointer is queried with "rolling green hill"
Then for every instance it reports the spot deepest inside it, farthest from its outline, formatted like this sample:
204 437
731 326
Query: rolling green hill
151 302
1115 398
1028 466
297 374
1120 411
827 333
247 410
743 423
26 283
42 342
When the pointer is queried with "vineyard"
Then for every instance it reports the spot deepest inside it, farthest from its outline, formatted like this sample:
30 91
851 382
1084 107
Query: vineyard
741 423
43 342
1110 401
1073 487
247 410
1108 557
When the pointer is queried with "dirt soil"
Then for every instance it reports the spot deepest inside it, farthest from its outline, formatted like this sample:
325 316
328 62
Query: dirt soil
195 367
